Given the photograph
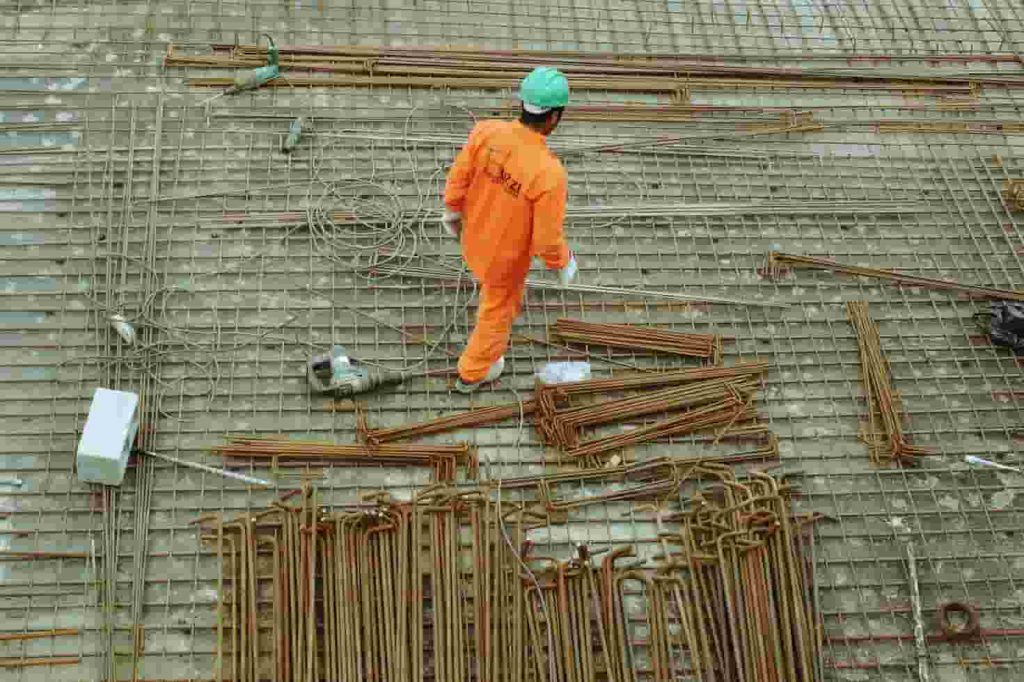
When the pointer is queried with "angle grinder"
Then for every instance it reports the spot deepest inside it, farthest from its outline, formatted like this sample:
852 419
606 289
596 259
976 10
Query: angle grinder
339 374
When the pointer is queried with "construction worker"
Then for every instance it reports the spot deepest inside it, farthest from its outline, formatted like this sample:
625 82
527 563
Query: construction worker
505 200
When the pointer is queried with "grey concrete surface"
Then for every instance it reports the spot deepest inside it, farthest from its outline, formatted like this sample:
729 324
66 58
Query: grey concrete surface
120 192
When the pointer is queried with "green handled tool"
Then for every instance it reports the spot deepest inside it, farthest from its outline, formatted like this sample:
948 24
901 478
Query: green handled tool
250 80
294 135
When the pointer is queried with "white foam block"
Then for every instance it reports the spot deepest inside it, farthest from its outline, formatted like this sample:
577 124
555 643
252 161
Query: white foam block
108 436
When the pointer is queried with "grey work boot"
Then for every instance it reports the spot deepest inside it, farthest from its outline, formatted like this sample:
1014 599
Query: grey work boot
493 373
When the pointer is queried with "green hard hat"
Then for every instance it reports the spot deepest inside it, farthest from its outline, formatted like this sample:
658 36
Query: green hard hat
544 89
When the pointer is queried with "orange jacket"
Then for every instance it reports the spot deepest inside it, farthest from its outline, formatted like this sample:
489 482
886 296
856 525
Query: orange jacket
511 191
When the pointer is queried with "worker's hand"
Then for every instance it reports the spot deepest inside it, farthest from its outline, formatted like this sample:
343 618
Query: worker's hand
452 222
567 274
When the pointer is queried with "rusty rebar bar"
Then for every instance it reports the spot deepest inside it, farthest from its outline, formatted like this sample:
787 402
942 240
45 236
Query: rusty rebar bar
435 586
35 662
705 417
638 338
655 379
422 67
563 427
462 420
13 554
38 634
776 260
286 452
884 429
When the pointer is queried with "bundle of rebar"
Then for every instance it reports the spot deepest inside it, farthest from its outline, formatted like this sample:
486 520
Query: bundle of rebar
425 67
443 459
778 260
637 338
772 119
685 402
659 479
884 429
658 468
648 380
722 415
743 208
685 388
395 591
742 585
443 587
562 427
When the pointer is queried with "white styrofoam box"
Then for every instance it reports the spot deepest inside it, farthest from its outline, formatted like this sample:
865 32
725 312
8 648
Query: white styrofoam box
108 436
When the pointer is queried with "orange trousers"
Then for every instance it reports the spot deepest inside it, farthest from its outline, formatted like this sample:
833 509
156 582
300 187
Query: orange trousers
499 306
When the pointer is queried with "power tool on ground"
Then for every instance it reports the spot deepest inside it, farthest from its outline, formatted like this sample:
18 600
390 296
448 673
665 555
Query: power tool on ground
253 78
341 375
250 80
294 135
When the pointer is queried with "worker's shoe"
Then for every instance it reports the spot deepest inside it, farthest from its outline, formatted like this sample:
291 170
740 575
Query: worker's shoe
493 373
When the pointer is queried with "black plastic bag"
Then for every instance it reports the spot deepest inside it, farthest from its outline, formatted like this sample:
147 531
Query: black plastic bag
1006 325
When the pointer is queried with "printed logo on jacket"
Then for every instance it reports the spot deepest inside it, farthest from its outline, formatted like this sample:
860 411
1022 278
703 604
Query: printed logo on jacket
494 168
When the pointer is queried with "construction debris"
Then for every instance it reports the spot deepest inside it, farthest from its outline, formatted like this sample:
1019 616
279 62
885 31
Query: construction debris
777 260
981 461
884 429
444 586
1004 325
633 337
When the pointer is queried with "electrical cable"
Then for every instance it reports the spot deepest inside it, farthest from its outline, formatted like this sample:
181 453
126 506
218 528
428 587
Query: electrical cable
362 225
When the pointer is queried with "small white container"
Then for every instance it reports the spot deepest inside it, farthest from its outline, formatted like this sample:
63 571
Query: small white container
564 372
108 436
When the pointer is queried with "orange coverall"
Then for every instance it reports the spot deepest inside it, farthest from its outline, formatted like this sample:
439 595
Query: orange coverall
511 192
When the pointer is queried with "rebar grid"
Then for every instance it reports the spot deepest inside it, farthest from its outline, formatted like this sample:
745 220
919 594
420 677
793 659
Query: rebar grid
921 27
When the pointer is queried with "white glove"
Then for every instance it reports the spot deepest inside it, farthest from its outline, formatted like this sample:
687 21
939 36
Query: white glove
567 274
452 222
